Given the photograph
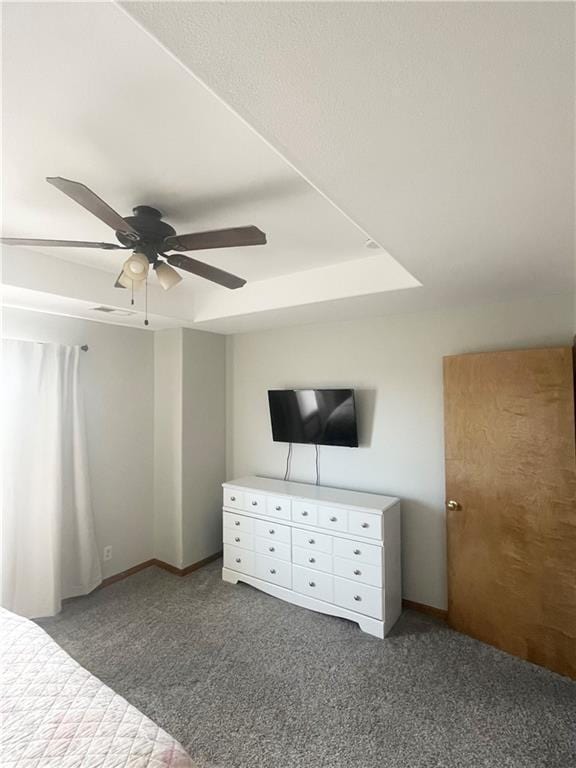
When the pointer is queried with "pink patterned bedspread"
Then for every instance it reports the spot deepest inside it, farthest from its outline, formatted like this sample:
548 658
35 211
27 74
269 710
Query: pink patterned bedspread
56 714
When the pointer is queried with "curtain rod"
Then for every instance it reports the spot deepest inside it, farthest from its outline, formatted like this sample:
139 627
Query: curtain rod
84 347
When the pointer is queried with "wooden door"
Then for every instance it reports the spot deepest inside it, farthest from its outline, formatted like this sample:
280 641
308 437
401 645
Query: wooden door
511 471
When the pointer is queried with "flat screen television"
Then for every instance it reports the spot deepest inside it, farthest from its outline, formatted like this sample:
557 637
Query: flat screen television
316 416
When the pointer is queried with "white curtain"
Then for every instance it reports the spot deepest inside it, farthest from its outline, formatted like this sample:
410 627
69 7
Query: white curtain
48 543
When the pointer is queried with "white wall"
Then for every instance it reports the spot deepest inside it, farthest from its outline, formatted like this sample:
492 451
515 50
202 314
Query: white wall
155 420
203 443
168 446
395 364
117 376
172 482
189 444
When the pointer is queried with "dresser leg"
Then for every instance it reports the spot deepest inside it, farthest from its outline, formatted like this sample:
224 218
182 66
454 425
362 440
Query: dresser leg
229 576
372 627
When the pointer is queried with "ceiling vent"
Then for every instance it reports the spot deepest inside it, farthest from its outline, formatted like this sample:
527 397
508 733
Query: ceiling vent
113 311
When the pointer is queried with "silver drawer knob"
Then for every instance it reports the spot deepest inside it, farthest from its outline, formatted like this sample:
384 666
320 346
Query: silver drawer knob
304 514
311 559
232 498
271 531
333 519
357 552
278 509
357 598
236 522
254 503
365 525
272 570
238 560
236 538
271 549
311 541
311 583
357 572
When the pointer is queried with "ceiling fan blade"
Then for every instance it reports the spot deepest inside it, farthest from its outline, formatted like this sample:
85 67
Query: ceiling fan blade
205 270
90 200
59 243
216 238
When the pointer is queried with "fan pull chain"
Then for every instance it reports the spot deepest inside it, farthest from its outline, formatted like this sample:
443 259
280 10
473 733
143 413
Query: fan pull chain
132 288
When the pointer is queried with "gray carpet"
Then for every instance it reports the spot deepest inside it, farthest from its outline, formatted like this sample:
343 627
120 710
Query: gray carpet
244 680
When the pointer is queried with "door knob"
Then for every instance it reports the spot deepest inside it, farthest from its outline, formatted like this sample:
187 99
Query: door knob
453 505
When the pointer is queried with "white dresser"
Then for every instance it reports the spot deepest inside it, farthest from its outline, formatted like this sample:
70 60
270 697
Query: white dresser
331 550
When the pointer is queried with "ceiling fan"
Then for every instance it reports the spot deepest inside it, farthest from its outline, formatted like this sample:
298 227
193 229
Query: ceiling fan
149 238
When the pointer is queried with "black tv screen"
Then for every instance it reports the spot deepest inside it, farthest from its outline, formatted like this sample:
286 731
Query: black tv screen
317 416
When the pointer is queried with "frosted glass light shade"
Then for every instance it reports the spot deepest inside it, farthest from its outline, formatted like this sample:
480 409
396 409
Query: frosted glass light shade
136 267
167 275
124 280
127 282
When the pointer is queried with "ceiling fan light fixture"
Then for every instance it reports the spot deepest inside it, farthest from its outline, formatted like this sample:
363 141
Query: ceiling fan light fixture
136 267
167 275
124 280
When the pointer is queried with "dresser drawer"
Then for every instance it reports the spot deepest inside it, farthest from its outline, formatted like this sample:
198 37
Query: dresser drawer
358 597
304 512
255 502
278 507
360 572
331 517
268 530
238 522
238 538
238 559
271 569
309 558
272 548
233 498
312 540
313 583
358 551
365 525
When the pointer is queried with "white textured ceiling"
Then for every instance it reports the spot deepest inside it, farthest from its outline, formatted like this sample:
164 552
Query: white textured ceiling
98 100
444 129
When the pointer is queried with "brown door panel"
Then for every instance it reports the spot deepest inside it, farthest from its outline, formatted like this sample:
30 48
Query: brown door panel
510 465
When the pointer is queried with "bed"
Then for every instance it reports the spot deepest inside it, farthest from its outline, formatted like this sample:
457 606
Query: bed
56 714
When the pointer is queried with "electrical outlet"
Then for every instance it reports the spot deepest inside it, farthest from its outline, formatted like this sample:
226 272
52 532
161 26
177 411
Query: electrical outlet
108 552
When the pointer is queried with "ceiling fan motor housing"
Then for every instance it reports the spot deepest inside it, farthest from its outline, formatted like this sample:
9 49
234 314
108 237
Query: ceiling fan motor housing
148 223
